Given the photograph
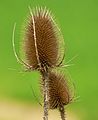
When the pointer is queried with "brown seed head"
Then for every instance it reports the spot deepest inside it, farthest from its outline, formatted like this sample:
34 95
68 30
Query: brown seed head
41 40
59 91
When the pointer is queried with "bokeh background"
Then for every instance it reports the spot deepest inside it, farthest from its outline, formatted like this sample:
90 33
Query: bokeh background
78 20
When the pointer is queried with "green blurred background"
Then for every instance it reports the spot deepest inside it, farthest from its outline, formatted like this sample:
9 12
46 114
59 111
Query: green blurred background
78 21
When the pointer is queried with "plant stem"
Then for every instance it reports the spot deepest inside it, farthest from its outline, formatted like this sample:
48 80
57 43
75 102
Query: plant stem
45 92
62 112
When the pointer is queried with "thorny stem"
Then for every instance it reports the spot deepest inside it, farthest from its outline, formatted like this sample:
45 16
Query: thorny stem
45 100
45 92
62 112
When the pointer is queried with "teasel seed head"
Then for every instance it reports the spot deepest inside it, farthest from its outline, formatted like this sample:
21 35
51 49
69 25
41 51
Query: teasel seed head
59 90
42 41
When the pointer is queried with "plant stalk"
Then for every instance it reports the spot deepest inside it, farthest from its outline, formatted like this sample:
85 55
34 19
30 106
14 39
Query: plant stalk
45 93
62 112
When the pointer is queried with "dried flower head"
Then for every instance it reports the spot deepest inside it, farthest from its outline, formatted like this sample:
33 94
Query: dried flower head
41 41
59 90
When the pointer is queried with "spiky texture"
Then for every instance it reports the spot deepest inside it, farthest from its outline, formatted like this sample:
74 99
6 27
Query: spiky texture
59 91
42 30
42 50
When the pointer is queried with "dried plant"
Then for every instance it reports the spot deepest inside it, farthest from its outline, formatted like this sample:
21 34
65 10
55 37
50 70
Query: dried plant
43 49
41 46
41 41
60 91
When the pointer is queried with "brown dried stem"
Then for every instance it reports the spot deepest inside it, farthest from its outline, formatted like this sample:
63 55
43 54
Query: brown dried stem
45 93
62 112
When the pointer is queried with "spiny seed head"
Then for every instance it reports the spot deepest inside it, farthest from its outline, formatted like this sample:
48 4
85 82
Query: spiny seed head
59 90
41 42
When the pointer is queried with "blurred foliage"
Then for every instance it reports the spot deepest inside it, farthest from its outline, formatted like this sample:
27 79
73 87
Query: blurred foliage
78 21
